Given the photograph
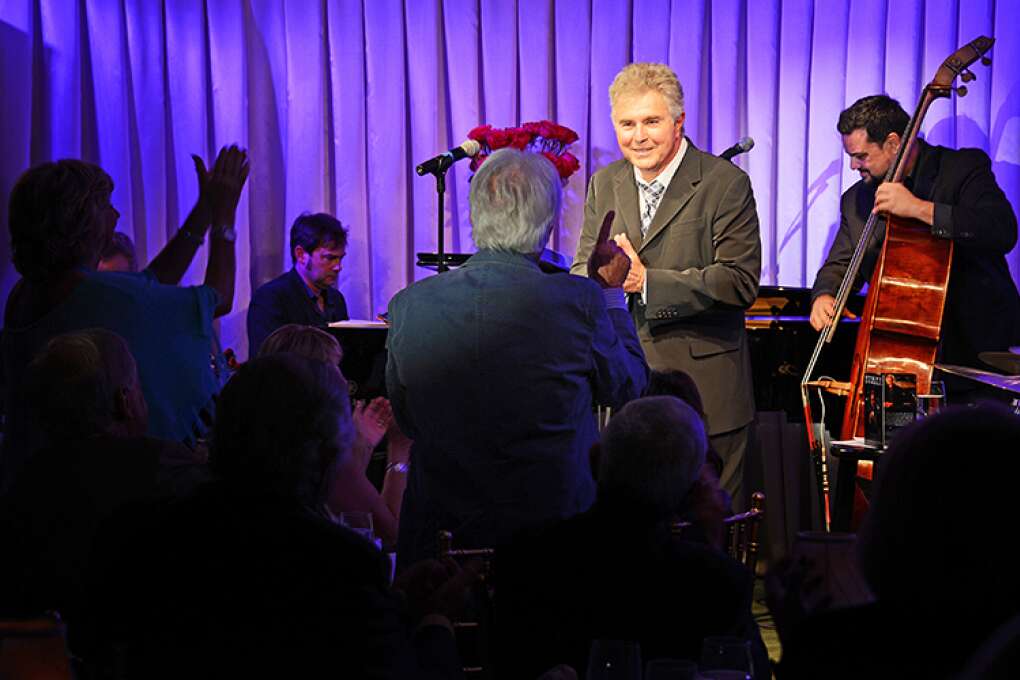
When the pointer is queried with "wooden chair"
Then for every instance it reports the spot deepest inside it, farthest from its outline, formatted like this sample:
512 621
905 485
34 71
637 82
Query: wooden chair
742 532
34 649
473 631
741 539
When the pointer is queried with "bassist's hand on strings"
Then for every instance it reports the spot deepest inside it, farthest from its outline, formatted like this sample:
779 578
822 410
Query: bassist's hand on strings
822 310
896 199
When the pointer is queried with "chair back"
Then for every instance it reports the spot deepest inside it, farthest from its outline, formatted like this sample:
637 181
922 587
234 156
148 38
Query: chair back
742 532
473 630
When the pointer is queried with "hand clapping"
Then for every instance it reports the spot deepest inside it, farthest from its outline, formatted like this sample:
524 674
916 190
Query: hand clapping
635 282
219 189
608 264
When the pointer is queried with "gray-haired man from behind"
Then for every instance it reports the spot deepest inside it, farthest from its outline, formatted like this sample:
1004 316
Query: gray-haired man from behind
494 367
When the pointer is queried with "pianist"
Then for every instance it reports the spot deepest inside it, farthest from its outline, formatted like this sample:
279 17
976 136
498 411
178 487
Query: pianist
307 294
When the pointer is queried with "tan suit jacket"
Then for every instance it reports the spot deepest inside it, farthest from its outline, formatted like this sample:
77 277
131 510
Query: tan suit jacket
703 255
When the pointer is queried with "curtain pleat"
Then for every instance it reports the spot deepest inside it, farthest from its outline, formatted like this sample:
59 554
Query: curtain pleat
1004 142
338 100
826 97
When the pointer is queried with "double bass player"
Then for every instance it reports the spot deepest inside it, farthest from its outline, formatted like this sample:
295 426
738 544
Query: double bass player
956 194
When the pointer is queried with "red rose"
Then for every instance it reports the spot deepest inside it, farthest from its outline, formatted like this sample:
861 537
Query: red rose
534 129
520 138
564 134
478 134
497 139
568 165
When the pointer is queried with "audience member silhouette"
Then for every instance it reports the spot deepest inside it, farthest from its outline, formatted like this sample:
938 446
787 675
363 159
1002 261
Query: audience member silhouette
118 255
248 577
83 391
707 498
616 571
61 219
352 490
934 550
306 341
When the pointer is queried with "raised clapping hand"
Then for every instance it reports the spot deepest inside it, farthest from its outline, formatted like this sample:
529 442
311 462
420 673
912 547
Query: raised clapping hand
608 264
219 189
371 421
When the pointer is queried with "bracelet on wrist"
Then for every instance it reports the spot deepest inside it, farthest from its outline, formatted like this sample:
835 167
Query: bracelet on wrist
225 232
399 468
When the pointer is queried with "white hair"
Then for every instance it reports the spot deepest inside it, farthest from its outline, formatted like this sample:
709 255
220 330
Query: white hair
515 202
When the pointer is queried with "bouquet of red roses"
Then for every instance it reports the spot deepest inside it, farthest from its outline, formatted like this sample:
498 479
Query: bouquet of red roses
545 137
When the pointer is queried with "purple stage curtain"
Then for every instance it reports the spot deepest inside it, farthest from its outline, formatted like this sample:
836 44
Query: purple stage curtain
337 101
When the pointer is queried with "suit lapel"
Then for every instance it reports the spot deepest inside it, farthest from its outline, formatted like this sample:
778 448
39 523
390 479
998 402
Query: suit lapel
685 183
627 209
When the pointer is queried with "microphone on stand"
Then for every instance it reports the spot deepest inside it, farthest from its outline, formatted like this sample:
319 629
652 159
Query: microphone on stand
443 161
743 146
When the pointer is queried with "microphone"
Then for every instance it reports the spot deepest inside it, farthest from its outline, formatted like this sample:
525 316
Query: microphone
444 160
743 146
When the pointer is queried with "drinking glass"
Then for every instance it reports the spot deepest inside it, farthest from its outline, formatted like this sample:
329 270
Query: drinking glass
671 669
934 400
360 522
614 660
726 658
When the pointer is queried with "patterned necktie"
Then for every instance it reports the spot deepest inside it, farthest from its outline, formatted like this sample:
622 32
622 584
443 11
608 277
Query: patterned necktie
652 193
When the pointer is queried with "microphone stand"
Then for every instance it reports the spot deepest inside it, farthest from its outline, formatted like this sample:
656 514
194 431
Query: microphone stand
440 174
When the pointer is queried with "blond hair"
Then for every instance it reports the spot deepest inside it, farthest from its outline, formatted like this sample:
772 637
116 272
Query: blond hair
643 77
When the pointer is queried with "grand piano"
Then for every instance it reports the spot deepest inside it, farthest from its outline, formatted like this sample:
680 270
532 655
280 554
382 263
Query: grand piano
781 342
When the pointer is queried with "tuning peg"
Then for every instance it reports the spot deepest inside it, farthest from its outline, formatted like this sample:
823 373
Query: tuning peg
967 76
961 91
987 61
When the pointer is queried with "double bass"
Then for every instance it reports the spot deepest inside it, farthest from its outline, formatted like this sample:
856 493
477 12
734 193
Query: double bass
902 319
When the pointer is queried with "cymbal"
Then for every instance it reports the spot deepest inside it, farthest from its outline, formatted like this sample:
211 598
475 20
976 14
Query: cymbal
1008 383
1004 361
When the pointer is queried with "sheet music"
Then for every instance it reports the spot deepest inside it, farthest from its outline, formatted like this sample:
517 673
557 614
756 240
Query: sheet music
360 323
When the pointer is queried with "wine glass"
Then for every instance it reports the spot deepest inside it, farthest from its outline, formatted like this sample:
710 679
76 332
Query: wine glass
614 660
934 400
726 658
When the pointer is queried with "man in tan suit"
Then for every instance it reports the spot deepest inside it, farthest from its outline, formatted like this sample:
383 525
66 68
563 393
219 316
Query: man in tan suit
687 220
